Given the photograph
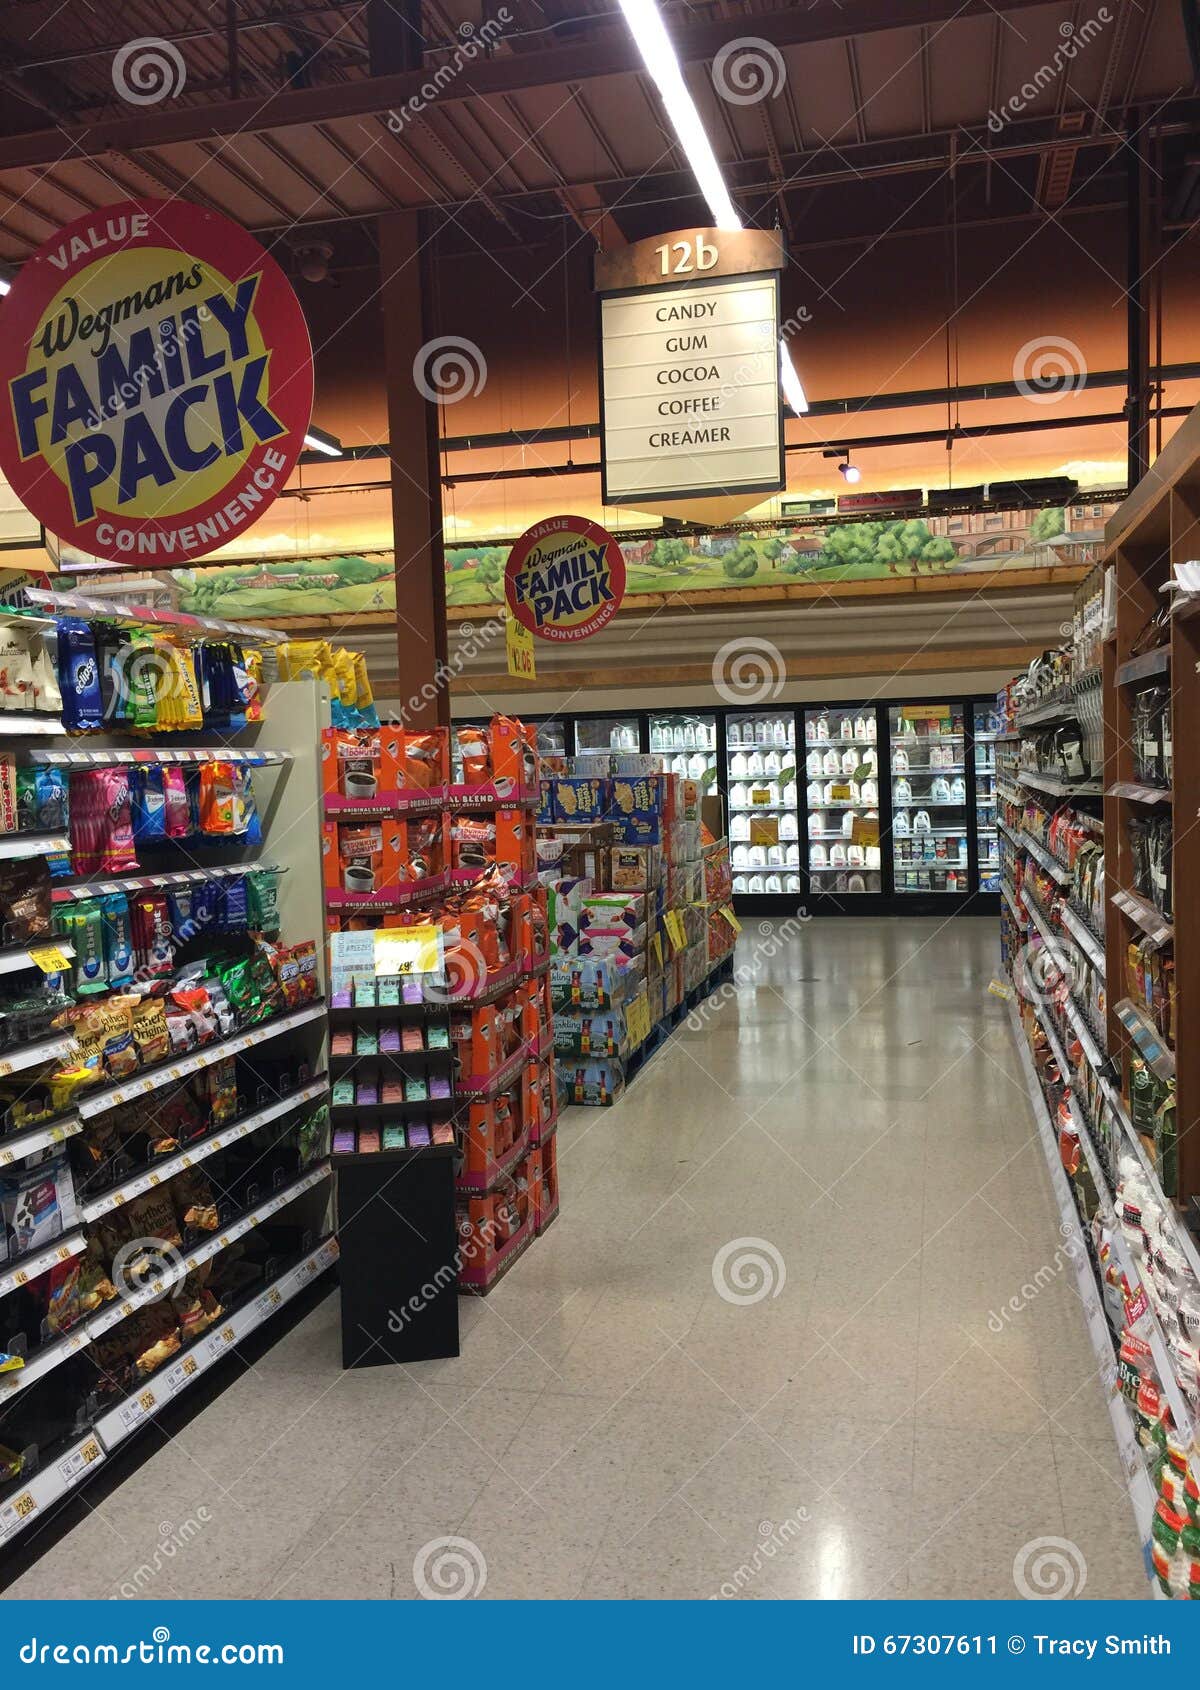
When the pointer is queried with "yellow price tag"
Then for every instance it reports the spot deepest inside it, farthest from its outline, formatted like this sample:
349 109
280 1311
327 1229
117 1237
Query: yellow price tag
675 930
90 1452
24 1506
637 1020
49 958
732 919
189 1366
518 647
408 950
839 792
656 942
146 1401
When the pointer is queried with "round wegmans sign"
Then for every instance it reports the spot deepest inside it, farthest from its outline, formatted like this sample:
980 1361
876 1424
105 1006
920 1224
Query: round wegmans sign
158 382
565 578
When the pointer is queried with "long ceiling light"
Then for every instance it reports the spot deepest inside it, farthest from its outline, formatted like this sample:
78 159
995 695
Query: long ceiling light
659 56
317 440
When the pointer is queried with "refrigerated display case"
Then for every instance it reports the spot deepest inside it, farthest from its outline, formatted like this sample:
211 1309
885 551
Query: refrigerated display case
931 822
763 802
686 740
602 735
552 738
987 723
841 768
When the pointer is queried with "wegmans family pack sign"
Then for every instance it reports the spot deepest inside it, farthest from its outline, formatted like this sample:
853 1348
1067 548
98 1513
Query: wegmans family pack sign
158 378
565 578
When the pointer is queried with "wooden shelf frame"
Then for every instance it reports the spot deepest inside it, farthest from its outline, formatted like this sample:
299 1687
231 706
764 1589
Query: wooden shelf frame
1157 526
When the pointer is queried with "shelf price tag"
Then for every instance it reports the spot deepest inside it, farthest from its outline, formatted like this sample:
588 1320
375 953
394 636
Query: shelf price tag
675 930
656 942
49 958
637 1020
732 919
408 950
518 647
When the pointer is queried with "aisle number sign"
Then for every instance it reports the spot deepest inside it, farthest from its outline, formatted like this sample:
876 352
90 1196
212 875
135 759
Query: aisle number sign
689 365
518 645
158 382
564 579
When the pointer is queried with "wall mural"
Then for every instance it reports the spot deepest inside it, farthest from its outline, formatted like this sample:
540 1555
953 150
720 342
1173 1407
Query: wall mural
818 551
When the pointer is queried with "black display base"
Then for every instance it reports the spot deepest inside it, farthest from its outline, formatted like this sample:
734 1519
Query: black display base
399 1261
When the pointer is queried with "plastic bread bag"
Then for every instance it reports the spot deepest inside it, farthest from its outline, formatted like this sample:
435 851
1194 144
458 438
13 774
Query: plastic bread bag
16 666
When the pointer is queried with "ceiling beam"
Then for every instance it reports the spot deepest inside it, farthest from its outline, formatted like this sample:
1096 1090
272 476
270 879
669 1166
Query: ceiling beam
610 52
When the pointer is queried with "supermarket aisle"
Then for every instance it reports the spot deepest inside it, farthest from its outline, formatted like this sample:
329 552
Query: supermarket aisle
908 1405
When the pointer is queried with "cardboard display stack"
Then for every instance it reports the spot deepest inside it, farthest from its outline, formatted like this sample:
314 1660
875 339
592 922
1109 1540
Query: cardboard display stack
434 828
639 887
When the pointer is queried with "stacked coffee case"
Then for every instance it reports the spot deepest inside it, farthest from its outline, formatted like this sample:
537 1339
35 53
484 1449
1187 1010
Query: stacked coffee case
430 831
639 913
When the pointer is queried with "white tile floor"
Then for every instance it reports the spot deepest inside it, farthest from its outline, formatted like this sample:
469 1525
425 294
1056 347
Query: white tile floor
615 1427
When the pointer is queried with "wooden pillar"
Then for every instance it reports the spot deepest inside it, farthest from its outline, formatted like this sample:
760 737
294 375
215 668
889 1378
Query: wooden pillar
416 479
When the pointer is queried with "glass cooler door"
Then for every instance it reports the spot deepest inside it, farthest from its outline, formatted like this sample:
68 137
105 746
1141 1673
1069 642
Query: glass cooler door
602 735
764 816
986 837
929 798
686 741
841 774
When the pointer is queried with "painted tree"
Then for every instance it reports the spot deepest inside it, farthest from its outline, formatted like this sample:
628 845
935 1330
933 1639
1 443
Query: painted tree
1047 523
741 563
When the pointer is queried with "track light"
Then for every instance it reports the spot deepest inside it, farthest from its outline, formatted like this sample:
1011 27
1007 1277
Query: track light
318 441
850 471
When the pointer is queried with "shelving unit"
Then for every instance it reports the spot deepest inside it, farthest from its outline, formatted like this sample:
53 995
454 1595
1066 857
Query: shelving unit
293 1190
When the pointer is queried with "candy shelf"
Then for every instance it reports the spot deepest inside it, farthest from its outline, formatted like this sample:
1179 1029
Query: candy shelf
19 1270
1144 915
119 1422
1047 859
135 615
19 1145
1081 933
31 1498
20 956
153 882
1058 788
1137 793
1150 1043
1145 667
34 845
17 722
200 1149
146 754
151 1079
1061 710
15 1061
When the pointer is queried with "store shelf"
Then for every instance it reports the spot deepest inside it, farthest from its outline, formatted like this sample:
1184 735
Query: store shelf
1151 1045
1058 788
1059 710
34 1055
21 1269
34 845
17 957
1150 663
1139 793
22 1144
1010 898
1010 795
929 804
1013 837
115 1313
18 722
1083 936
148 754
165 1385
137 615
108 1097
201 1149
32 1497
1144 915
154 882
1047 859
1137 1478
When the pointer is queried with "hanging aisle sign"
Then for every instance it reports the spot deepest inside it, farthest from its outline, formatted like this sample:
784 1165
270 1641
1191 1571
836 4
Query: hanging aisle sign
565 578
689 366
158 382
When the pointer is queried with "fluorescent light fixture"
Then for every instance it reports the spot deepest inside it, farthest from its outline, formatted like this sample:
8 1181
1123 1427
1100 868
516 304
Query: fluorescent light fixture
318 441
5 285
659 56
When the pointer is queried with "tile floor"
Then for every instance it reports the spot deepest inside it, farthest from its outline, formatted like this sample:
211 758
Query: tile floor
849 1134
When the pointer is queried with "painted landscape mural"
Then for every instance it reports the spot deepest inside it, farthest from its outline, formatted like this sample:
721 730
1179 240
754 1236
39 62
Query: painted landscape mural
818 551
